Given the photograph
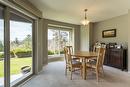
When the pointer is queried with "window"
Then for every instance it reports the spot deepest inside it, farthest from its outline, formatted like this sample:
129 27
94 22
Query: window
1 48
57 39
16 47
20 47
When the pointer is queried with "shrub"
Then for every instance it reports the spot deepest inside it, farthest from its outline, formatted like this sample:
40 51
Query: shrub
62 52
12 54
50 52
21 52
1 55
56 51
24 54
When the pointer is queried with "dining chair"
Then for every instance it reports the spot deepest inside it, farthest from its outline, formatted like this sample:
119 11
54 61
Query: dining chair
97 65
70 50
96 49
71 64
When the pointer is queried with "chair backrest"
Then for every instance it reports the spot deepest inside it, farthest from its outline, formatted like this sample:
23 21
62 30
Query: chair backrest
70 49
95 48
67 53
100 58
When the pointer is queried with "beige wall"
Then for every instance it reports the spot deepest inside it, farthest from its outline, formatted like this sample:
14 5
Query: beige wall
120 23
84 38
28 6
129 40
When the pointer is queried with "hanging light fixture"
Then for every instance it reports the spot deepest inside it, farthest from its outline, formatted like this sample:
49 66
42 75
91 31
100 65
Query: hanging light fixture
85 21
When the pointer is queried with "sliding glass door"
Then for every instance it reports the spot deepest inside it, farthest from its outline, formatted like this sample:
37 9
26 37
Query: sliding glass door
16 46
1 48
20 47
57 39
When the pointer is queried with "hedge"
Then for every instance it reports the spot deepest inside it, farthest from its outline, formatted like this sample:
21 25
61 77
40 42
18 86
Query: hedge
20 53
1 55
56 52
50 52
11 55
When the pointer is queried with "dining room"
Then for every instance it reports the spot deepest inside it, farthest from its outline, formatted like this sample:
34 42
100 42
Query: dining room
111 32
64 43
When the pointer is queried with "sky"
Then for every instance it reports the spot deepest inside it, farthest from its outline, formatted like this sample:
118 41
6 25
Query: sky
51 31
17 30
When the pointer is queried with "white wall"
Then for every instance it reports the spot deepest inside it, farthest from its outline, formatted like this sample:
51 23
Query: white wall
84 38
120 23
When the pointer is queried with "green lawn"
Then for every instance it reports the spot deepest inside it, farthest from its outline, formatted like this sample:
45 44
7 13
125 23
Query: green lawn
16 64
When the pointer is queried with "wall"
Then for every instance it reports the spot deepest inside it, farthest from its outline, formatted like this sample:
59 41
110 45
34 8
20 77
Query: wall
76 29
129 41
120 23
28 6
84 38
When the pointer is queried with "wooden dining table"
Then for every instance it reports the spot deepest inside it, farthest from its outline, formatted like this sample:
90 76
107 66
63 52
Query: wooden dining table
84 56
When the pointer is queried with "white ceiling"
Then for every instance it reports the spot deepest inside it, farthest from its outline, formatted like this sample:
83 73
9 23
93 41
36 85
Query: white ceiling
72 11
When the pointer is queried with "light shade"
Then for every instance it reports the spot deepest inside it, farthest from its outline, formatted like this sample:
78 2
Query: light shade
85 22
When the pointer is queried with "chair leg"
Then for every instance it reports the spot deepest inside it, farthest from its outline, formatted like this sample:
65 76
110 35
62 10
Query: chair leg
71 74
81 72
102 71
66 70
97 74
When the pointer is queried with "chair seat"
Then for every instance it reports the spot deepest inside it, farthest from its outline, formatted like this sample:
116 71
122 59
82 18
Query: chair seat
91 64
75 58
76 62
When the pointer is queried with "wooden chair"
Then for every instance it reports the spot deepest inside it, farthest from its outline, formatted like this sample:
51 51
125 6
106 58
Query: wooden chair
70 49
98 64
96 49
71 64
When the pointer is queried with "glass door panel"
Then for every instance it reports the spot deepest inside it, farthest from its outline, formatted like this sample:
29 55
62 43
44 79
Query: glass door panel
1 48
20 48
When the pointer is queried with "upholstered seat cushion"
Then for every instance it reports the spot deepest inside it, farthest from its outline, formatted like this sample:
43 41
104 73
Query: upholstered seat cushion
76 62
91 63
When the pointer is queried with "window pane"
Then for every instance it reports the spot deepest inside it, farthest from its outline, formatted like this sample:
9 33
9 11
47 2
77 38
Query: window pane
64 40
57 39
1 48
20 48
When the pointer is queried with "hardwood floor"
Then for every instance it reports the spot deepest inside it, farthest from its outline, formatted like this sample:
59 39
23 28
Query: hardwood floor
51 76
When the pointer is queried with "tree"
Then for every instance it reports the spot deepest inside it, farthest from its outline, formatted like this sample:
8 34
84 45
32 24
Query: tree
55 41
63 40
14 45
27 42
1 46
60 40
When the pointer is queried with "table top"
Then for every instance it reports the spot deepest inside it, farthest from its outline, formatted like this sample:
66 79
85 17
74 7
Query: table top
85 54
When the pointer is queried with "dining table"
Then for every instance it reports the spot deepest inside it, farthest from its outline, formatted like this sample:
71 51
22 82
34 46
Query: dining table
84 56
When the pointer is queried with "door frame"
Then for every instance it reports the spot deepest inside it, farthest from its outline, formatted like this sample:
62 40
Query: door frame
6 13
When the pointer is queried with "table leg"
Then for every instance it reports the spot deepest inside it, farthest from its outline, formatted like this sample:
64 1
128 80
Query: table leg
84 68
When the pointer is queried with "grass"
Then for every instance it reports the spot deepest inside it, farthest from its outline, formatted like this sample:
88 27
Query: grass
16 64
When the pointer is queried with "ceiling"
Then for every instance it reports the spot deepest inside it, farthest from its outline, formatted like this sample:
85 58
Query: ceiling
72 11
